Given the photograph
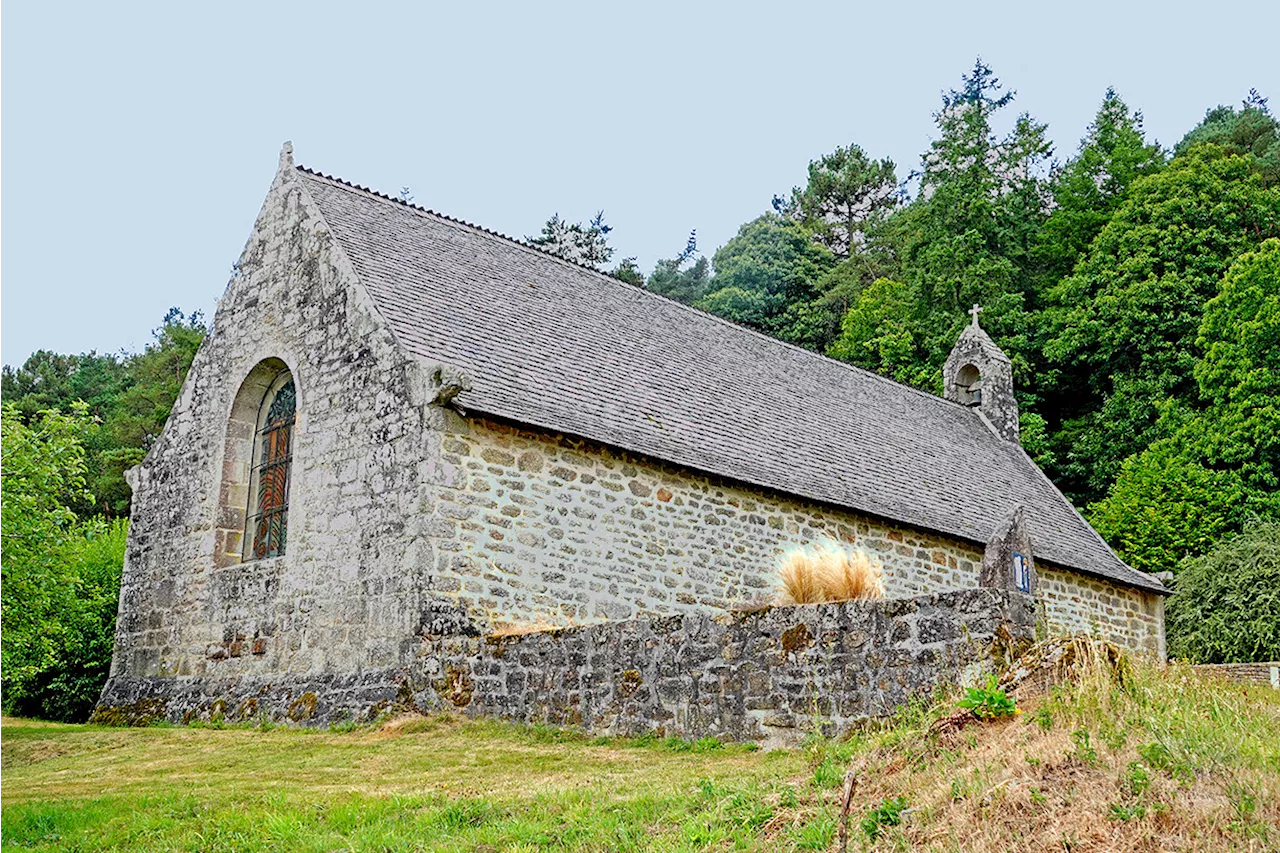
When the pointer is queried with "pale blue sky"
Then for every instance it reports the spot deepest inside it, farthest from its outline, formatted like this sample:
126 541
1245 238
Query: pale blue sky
138 141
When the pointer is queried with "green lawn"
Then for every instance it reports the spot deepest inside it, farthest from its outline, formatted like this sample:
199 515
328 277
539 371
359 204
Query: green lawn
436 784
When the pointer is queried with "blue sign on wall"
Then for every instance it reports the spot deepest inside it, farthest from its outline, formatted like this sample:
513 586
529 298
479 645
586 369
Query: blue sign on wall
1021 572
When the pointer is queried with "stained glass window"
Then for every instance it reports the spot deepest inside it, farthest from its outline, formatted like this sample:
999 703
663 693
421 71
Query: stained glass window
270 518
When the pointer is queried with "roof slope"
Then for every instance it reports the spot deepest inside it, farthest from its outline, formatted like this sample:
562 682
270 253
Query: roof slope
558 346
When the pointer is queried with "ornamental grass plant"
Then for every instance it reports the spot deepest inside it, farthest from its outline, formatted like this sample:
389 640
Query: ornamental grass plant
828 571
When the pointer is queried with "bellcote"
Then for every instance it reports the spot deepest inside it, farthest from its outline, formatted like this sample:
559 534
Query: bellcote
978 374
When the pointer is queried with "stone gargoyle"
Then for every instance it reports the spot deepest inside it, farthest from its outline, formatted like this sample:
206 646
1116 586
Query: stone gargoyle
444 383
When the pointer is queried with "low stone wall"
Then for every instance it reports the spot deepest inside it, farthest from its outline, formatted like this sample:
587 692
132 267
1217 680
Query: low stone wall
768 676
1266 674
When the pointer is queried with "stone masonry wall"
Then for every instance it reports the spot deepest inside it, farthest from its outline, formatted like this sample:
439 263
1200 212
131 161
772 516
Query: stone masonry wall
539 529
1265 674
772 675
345 597
1076 604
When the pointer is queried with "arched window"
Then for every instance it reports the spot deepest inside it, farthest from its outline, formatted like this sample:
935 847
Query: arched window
969 385
268 514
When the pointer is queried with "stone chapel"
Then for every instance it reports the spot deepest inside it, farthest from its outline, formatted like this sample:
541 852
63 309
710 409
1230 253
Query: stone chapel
403 425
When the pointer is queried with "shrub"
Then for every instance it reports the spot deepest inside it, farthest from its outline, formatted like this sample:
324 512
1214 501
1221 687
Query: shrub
82 628
1226 604
828 572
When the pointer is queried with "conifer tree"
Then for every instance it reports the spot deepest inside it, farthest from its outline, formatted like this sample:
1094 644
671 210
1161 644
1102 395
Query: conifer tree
1089 188
1252 132
582 244
847 193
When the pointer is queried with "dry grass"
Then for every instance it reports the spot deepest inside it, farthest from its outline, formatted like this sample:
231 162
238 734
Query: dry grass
1120 756
828 571
519 629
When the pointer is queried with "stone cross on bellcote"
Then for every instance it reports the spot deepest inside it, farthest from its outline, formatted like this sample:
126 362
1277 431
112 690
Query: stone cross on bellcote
975 311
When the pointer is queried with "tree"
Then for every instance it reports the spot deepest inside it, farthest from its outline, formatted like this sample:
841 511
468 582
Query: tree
128 398
627 270
967 238
56 591
1089 188
847 193
49 380
769 266
134 422
671 277
1165 507
982 197
84 624
1122 329
582 244
1219 461
1239 375
1226 604
882 332
747 307
1252 133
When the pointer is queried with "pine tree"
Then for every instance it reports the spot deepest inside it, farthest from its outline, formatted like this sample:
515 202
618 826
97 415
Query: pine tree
847 193
582 244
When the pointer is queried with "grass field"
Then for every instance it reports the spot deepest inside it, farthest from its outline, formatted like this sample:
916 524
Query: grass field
1168 761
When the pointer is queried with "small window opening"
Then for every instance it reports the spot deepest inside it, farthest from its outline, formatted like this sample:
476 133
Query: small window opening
266 533
969 382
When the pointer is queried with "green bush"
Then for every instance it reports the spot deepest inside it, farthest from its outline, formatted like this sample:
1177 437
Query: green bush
888 813
1226 604
68 687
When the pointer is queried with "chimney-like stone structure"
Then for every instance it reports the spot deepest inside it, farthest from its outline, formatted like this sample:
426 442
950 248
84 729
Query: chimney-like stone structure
978 374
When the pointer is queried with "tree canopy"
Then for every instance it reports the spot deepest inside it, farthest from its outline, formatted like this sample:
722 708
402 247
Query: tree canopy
127 397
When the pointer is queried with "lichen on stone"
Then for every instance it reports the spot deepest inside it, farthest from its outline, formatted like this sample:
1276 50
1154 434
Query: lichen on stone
140 713
303 707
456 686
796 638
629 682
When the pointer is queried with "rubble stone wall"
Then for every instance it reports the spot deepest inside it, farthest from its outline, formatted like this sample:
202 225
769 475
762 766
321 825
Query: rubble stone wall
1077 604
1266 674
769 676
772 675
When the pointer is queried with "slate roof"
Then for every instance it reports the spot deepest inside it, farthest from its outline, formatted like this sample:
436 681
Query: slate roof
554 345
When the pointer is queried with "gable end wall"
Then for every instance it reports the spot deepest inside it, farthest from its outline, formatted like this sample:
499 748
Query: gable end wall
345 596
